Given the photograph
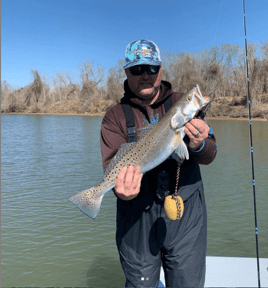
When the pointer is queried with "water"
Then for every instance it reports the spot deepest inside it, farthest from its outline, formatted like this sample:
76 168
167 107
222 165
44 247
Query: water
229 192
47 241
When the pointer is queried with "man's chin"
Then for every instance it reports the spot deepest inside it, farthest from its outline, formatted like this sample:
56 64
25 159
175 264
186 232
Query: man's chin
147 93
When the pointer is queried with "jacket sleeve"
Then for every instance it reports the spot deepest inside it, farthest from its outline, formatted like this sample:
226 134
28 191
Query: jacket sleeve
207 153
112 135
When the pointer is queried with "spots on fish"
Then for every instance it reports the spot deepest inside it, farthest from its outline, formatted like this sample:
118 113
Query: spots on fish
132 157
88 195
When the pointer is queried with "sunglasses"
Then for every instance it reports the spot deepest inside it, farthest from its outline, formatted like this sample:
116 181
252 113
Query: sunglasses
139 70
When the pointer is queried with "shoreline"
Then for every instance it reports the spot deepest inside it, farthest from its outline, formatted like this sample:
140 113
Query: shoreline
236 119
222 118
58 114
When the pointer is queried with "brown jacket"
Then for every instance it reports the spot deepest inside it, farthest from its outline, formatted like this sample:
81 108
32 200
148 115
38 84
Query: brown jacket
114 130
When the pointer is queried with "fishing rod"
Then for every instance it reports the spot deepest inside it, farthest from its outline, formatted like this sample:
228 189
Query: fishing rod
251 148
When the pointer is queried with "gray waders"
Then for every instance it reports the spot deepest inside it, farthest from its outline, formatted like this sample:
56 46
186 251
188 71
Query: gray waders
146 238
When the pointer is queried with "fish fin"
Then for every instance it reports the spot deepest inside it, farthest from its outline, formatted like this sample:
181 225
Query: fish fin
177 120
181 150
117 157
89 201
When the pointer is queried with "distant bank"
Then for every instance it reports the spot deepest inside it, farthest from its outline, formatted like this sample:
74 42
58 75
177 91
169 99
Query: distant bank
223 108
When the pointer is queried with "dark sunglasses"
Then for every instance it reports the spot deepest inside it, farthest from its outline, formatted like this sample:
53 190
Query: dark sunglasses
139 70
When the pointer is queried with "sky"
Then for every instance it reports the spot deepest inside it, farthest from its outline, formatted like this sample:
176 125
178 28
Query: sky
54 36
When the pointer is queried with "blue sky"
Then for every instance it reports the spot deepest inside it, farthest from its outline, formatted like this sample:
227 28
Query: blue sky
55 35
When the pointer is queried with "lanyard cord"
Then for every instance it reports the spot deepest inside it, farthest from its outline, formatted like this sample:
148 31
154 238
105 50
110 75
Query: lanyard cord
251 148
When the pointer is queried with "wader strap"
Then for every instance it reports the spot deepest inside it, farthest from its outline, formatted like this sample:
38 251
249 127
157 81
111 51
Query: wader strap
131 130
168 104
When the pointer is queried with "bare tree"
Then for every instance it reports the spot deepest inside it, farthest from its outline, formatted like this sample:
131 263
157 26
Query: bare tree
64 87
91 80
185 72
6 90
264 67
34 91
115 82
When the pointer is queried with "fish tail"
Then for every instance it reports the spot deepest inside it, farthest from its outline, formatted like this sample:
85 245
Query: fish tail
89 201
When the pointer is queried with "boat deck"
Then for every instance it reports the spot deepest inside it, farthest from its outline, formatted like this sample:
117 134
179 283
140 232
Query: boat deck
232 272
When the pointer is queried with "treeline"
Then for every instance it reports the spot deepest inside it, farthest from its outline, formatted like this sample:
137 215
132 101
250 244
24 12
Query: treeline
220 70
61 88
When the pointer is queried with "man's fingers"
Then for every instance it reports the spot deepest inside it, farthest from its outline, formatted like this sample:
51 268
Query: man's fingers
128 182
197 128
129 177
192 132
137 177
197 124
121 176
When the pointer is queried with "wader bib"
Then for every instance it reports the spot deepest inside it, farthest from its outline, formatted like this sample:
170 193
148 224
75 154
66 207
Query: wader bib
145 237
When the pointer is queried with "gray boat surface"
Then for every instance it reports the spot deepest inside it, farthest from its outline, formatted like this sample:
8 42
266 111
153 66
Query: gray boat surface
232 272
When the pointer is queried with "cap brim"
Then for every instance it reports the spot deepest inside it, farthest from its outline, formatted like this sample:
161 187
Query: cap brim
142 62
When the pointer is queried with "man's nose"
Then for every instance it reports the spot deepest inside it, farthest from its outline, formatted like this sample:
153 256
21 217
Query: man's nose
145 75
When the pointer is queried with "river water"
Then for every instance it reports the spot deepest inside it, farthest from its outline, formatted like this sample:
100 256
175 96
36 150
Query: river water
47 241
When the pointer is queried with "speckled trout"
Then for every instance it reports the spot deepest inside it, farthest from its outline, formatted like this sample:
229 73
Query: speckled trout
156 142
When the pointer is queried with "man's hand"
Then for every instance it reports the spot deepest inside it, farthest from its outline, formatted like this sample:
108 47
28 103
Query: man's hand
128 182
197 131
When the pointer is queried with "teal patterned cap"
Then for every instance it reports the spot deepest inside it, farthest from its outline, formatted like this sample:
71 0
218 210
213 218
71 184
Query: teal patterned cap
142 52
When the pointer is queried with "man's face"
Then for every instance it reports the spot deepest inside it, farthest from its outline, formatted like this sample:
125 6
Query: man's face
145 86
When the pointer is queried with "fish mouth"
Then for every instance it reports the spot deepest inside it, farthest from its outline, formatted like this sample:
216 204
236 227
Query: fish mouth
202 112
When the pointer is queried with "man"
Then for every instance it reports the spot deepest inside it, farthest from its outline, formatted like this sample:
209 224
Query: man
145 237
